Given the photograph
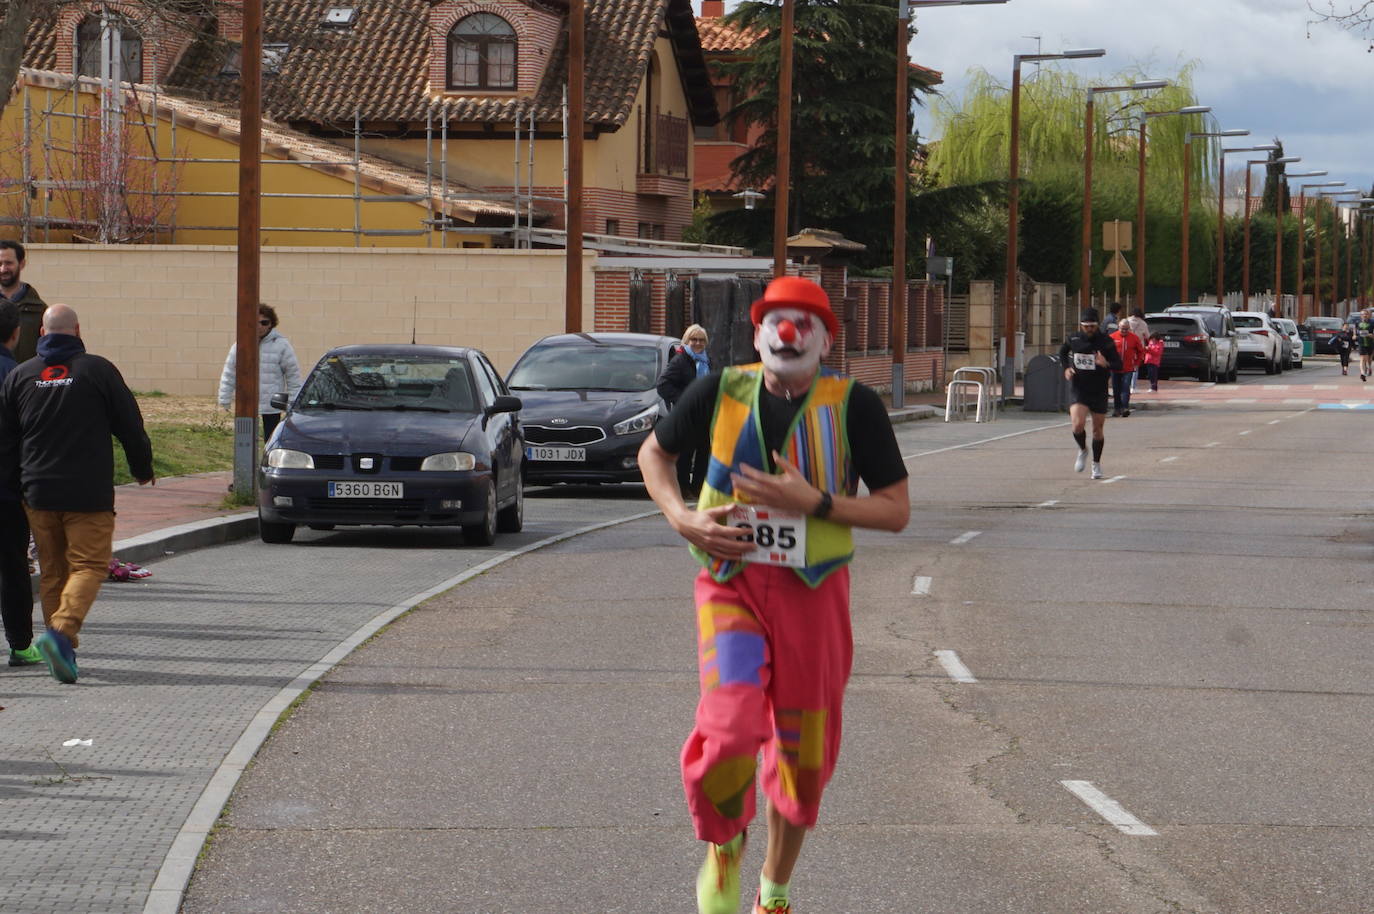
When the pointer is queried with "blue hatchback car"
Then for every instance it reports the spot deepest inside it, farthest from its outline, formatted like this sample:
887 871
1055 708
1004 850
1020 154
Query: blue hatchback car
396 435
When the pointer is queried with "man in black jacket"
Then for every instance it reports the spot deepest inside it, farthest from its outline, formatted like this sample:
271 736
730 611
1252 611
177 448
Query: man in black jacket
57 413
16 594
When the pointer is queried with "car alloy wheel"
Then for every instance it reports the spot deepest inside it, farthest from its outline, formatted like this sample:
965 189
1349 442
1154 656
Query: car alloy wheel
511 518
484 534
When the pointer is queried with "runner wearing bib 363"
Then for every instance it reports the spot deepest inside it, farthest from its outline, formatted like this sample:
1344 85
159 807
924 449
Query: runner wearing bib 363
789 443
1089 357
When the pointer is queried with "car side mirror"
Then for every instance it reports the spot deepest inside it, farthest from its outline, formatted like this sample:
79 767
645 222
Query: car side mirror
505 405
280 401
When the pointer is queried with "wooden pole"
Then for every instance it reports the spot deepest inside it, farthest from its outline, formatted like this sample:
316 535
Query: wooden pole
900 169
1245 253
1085 274
1302 243
782 186
1010 291
1140 223
249 252
577 123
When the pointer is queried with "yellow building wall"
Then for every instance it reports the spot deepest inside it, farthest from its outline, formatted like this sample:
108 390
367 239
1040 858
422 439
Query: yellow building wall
205 208
164 314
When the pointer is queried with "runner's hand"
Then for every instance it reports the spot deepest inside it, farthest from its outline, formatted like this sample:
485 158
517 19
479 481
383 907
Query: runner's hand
708 531
788 489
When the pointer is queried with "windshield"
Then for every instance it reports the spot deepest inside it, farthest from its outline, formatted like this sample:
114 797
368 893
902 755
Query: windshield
1324 323
390 382
555 367
1177 325
1247 320
1210 319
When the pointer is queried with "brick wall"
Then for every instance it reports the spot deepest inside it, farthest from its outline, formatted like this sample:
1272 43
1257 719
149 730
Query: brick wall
165 314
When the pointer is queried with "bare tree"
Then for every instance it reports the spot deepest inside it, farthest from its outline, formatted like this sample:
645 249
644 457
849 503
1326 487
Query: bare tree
1351 15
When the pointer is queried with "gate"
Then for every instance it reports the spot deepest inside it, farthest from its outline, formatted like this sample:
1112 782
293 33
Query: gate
721 305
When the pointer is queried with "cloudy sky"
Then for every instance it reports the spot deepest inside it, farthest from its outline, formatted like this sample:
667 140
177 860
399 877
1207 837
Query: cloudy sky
1256 64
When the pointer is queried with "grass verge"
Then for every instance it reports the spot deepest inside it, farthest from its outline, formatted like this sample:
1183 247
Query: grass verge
189 435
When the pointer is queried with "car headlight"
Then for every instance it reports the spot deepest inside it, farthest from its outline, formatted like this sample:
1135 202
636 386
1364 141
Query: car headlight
286 459
450 462
639 422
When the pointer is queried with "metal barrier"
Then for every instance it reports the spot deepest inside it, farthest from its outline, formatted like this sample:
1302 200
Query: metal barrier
976 381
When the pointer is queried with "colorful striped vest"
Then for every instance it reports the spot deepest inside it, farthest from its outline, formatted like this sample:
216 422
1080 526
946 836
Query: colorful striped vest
817 442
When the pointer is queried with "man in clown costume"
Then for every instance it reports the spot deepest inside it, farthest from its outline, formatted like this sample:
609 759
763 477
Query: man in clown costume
789 444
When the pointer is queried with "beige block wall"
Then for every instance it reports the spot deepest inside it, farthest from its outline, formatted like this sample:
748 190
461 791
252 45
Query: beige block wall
164 314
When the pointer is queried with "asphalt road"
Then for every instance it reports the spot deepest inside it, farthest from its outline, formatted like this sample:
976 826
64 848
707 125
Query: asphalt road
1146 694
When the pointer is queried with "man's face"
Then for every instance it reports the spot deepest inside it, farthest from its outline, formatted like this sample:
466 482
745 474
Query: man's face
10 268
791 342
1088 327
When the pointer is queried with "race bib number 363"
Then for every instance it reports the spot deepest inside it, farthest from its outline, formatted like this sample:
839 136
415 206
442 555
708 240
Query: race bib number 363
779 537
1084 361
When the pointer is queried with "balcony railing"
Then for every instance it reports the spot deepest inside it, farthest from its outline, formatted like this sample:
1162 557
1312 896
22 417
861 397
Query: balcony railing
665 148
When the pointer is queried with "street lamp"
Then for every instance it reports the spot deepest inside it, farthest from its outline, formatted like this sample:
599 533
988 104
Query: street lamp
1302 241
1014 202
1278 234
1140 196
902 173
1187 176
1221 212
1335 257
1349 242
1085 277
1245 254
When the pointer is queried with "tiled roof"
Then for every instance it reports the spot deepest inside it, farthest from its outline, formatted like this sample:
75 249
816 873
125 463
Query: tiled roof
380 67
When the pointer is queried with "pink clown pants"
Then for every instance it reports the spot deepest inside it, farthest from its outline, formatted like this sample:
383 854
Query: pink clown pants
773 657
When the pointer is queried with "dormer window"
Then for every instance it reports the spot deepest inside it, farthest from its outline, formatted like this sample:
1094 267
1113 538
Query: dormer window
125 41
481 53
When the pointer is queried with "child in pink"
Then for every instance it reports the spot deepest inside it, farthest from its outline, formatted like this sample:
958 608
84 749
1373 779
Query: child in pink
1154 355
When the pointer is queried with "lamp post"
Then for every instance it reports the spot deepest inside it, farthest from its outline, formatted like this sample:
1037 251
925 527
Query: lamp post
1317 238
1278 234
1185 289
1221 212
1302 239
1089 124
1145 117
1245 254
901 174
1350 242
1009 293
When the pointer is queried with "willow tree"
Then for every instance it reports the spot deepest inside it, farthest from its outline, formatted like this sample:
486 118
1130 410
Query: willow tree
975 149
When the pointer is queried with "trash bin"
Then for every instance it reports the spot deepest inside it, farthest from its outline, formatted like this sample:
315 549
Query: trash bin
1307 348
1047 390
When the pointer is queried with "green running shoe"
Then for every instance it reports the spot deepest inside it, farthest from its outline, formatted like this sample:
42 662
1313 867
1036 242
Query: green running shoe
27 657
718 878
56 649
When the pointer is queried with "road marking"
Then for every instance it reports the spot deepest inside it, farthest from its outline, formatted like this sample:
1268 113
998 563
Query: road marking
1108 808
954 666
1326 387
1212 444
1246 432
964 537
921 586
1169 459
1048 504
1273 421
959 447
1113 479
1277 386
1298 402
1241 401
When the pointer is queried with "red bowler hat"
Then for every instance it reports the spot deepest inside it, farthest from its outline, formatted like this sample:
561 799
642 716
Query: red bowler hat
795 292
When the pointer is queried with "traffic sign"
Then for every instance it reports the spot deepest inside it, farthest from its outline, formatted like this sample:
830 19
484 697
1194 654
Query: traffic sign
1117 235
1117 267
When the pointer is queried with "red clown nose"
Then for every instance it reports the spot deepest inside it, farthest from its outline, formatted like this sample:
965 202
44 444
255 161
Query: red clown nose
787 331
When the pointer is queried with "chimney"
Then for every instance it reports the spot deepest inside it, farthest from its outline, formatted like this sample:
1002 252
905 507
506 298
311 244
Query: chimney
712 9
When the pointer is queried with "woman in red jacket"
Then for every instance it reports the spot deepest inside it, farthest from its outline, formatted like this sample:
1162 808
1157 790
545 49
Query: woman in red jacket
1132 353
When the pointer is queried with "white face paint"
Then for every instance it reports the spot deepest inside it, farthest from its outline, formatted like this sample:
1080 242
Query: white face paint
791 342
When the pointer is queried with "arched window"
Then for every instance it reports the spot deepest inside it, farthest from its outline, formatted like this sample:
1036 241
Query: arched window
126 39
481 53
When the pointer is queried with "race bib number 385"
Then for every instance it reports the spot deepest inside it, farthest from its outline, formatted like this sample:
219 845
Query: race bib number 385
779 537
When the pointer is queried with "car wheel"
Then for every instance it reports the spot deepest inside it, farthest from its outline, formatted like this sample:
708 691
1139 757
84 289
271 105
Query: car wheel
271 532
1234 374
511 518
1268 366
1204 373
483 534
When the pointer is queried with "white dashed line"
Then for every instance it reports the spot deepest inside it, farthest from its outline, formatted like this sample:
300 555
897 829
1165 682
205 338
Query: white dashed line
960 447
1108 809
954 666
1113 479
1326 387
1246 432
1048 504
964 537
1212 444
1274 421
921 586
1169 459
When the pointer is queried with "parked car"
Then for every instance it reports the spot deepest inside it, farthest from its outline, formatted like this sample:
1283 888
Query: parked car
1260 342
1188 348
1323 331
1289 329
589 402
1217 320
397 435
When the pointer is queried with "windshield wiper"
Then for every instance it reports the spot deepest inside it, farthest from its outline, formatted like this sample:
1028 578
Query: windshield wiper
422 408
529 387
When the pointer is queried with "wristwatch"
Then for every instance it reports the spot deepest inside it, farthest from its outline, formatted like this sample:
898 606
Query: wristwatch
823 509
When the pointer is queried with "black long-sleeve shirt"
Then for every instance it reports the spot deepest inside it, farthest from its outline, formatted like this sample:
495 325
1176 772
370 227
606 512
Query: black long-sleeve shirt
1079 352
57 413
